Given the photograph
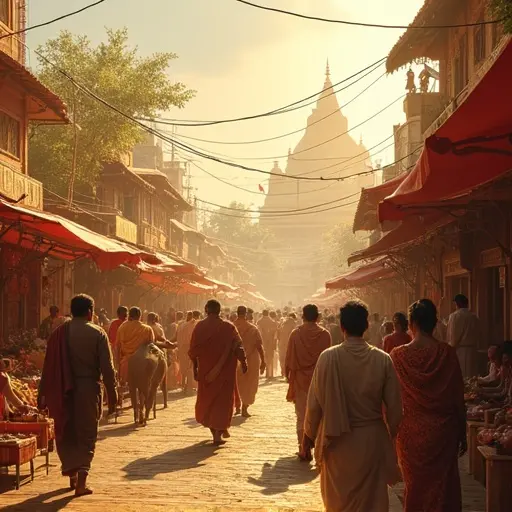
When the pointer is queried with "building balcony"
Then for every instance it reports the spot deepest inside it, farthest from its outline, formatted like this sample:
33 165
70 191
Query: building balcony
424 107
13 185
152 237
122 228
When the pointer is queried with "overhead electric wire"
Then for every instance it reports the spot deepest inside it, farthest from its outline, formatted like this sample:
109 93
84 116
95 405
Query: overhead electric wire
270 112
363 24
164 121
54 20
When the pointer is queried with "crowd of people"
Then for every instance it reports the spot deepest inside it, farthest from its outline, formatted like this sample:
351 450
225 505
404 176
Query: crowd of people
375 401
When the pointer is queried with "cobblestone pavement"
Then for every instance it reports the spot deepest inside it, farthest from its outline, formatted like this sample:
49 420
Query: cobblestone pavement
169 465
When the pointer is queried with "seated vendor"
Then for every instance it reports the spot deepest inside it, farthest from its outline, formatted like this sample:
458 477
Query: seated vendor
501 392
8 397
494 353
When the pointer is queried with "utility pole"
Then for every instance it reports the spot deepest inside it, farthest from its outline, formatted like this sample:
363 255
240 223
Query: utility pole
75 150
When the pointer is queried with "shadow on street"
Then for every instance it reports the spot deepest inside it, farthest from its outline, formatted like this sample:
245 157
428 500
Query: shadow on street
174 460
39 502
286 472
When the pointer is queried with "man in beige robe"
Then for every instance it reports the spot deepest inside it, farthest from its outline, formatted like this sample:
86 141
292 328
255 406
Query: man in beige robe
253 345
268 330
463 333
344 419
183 337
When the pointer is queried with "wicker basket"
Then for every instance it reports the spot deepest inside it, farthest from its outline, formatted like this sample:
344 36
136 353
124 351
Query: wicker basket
44 431
18 452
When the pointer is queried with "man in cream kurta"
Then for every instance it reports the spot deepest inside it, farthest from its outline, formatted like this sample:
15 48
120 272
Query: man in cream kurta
344 419
463 333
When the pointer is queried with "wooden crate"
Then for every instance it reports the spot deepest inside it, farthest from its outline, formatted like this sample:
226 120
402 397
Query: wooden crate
498 490
17 453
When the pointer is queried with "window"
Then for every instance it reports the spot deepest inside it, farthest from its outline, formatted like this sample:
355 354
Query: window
4 12
495 34
479 43
9 134
129 208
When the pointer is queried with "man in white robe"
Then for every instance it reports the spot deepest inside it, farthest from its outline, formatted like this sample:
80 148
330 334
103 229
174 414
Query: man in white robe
352 385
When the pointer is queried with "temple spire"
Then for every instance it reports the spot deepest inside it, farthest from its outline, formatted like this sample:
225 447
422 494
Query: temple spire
327 70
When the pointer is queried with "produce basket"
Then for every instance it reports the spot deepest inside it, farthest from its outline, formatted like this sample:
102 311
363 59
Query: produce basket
16 452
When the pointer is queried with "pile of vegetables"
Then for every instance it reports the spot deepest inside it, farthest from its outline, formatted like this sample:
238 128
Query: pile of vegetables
500 437
13 438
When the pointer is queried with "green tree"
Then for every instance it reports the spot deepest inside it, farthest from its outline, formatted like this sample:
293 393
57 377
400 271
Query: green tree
138 86
502 9
339 244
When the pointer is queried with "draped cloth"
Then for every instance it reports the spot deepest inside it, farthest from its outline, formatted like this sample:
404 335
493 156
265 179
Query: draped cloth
429 435
344 415
56 386
183 336
306 344
216 345
252 341
130 336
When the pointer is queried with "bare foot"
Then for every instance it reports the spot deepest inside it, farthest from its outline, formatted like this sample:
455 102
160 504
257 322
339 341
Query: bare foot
226 434
237 411
245 413
72 482
86 491
219 442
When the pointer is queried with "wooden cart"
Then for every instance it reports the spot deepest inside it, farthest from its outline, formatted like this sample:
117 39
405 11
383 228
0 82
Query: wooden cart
17 453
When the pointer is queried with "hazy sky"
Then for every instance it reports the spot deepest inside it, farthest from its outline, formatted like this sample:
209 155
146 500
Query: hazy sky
242 61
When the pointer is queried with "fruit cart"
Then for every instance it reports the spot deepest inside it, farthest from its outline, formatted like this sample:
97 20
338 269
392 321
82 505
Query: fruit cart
17 451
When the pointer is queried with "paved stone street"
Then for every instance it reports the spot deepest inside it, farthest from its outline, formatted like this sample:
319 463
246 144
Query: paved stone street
170 466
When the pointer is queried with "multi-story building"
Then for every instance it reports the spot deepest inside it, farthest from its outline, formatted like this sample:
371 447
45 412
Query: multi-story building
23 99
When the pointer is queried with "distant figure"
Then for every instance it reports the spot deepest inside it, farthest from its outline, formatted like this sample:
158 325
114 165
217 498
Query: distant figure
432 434
122 315
78 357
50 323
173 327
130 336
464 334
400 336
253 345
306 344
184 336
215 349
335 330
103 318
344 420
268 330
289 324
374 332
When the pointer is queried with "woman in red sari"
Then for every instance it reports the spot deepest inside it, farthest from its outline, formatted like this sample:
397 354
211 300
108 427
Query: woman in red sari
432 434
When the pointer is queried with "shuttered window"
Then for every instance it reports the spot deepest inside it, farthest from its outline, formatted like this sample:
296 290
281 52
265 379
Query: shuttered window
9 134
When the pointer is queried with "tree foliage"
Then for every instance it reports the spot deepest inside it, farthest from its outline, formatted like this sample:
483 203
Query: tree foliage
340 243
502 9
138 86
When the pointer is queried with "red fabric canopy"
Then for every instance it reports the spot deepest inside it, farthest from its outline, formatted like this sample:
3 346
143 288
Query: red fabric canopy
361 276
409 231
448 168
59 237
366 218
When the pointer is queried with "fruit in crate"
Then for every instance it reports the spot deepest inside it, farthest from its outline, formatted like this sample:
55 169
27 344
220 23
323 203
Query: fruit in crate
486 437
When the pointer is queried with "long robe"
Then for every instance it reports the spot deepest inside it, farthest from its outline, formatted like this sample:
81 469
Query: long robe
130 336
80 351
284 337
183 337
268 330
252 341
432 426
216 345
344 416
463 332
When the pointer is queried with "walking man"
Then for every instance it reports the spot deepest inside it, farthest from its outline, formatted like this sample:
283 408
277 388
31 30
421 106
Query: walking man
306 344
253 345
78 356
215 349
268 330
463 334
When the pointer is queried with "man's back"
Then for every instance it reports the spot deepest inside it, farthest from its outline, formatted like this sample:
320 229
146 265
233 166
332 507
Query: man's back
268 328
463 328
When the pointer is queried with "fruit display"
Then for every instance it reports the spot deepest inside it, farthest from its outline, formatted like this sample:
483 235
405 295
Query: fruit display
13 438
26 390
476 412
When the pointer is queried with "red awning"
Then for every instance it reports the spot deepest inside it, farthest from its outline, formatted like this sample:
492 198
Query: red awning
59 237
456 159
361 276
407 233
366 218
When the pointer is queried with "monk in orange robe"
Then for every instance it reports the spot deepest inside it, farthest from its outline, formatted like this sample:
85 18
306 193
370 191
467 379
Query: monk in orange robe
306 344
253 346
215 348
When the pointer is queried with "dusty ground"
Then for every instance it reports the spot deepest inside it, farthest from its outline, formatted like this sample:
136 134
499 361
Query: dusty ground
170 466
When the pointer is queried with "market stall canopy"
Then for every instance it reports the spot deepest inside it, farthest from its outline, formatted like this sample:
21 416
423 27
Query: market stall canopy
194 288
222 286
366 218
360 276
56 236
473 147
186 229
410 231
